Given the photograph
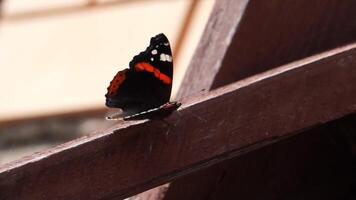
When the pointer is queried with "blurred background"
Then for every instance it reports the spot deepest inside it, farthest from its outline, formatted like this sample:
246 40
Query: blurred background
57 58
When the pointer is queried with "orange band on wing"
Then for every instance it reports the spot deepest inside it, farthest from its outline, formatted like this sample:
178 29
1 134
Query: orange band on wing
143 66
116 82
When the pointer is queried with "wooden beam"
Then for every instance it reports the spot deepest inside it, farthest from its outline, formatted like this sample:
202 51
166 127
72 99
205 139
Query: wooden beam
212 47
243 38
209 128
315 164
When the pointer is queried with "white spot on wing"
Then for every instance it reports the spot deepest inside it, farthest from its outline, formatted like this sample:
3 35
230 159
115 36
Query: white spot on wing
162 57
165 57
168 58
152 59
166 44
154 52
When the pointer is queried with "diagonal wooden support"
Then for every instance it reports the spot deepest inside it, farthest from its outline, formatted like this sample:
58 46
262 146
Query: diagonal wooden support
243 38
209 128
246 37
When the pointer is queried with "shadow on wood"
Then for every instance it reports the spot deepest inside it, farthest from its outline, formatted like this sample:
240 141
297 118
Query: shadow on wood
313 165
243 38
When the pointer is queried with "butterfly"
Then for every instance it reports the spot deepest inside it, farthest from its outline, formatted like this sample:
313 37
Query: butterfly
143 90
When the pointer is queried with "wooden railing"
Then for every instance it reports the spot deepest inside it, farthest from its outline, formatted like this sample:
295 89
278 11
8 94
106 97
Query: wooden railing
272 135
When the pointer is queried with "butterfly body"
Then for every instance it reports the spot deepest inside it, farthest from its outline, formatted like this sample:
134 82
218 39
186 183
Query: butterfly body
146 85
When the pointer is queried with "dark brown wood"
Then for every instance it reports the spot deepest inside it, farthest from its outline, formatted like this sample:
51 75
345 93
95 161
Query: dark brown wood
134 156
243 38
311 165
210 52
268 34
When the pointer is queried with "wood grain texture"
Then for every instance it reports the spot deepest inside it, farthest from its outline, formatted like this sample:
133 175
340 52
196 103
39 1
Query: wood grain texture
209 128
243 38
267 34
312 165
210 52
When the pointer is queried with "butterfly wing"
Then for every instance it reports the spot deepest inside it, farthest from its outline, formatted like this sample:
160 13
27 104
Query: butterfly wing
147 83
158 54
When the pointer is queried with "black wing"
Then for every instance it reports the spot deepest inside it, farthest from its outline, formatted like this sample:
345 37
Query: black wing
147 83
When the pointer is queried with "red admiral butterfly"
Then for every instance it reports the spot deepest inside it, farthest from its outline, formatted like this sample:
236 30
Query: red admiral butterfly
143 90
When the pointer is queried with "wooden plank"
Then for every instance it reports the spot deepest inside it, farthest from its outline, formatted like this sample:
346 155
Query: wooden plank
210 52
312 165
134 156
243 38
265 35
